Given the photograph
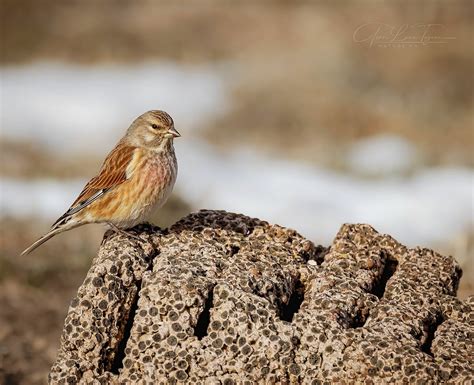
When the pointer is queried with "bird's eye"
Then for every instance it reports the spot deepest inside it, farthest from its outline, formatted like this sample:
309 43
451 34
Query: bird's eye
154 126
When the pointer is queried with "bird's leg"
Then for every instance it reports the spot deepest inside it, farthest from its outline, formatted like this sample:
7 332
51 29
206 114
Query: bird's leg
124 232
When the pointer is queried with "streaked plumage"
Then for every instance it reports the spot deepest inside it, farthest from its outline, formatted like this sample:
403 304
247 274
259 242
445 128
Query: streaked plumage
136 177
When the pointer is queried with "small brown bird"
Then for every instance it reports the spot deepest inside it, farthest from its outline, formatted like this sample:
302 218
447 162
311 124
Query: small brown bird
136 178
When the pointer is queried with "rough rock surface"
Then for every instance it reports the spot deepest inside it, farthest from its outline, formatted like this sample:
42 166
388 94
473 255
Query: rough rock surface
221 298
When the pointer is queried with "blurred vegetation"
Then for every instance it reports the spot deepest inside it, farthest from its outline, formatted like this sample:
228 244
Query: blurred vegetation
20 159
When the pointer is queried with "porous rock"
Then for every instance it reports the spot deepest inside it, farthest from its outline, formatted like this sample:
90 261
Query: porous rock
221 298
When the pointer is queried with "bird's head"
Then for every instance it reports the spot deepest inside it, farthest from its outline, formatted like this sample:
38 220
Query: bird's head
153 129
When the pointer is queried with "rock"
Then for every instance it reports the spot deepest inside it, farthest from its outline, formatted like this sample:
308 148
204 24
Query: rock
221 298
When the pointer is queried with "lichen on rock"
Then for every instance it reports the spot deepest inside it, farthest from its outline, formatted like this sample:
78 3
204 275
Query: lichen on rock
221 298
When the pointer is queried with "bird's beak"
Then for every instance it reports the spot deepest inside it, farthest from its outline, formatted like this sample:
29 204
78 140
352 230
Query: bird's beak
175 134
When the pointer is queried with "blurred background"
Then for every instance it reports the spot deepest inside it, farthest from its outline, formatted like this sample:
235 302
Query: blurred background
309 116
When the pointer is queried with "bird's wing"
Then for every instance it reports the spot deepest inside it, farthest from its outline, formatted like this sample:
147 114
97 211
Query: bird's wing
112 174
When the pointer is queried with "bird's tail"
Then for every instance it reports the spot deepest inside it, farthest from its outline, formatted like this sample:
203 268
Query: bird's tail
59 228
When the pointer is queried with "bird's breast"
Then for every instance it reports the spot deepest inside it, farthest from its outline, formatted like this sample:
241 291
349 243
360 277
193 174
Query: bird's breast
160 171
154 182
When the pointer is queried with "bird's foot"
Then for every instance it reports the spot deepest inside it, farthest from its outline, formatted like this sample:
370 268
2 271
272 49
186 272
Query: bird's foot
125 233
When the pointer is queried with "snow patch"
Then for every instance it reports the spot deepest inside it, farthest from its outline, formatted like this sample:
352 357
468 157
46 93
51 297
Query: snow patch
433 205
382 154
75 109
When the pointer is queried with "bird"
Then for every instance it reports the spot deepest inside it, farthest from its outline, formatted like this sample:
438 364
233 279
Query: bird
136 178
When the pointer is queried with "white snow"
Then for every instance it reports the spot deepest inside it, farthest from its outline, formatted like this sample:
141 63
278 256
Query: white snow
46 199
73 108
382 154
430 206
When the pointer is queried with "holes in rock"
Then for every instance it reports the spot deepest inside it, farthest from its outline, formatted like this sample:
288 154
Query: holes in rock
120 353
232 250
358 321
426 345
388 270
288 311
200 331
317 256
